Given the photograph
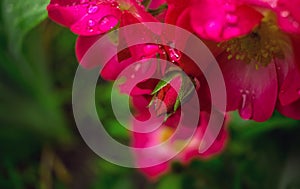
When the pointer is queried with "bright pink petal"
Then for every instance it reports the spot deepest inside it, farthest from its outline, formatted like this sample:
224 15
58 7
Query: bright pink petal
290 88
144 140
291 110
66 13
98 19
136 73
288 15
252 91
85 17
219 21
83 44
192 150
96 57
175 8
296 49
156 3
289 75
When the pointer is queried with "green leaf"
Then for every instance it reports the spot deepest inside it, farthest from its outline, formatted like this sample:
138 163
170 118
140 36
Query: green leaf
170 181
159 86
19 17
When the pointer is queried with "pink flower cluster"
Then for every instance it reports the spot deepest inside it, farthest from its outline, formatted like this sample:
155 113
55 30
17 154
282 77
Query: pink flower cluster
256 44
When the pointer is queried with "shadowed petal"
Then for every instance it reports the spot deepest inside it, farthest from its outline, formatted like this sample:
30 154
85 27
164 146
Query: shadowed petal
252 91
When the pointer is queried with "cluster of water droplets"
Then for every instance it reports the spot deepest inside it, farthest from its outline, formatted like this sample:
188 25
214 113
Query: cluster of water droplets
288 15
214 28
105 23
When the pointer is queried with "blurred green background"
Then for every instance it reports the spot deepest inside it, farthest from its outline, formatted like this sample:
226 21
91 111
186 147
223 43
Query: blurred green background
40 146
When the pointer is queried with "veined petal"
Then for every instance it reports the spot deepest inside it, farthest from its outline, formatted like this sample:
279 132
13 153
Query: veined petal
288 74
290 88
252 91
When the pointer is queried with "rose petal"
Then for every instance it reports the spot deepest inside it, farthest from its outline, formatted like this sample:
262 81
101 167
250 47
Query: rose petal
252 91
291 110
289 75
288 15
66 15
101 20
219 21
83 44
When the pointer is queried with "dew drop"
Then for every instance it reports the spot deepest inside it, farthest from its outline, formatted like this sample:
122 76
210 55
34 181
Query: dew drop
90 29
273 3
137 67
232 19
151 49
244 98
298 91
84 1
246 110
174 55
284 14
92 9
107 23
295 24
229 7
114 4
213 29
91 23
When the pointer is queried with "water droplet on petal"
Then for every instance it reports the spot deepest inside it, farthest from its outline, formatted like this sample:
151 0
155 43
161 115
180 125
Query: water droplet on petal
91 23
296 24
246 110
197 83
174 54
232 19
284 14
213 29
137 67
92 9
90 29
151 49
229 7
84 1
273 3
114 4
298 91
107 23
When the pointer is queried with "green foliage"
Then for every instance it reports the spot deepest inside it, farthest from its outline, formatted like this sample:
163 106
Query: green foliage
19 17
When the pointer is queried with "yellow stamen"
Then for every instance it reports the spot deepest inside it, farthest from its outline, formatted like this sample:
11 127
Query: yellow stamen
261 46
